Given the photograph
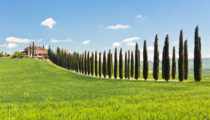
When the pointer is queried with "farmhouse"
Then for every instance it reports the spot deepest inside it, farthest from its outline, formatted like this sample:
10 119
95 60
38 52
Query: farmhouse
35 51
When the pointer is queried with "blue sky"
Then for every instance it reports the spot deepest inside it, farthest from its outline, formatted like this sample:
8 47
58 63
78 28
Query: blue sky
101 25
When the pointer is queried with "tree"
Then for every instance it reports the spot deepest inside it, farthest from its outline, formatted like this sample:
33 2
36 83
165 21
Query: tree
33 49
156 59
100 64
181 57
137 62
197 56
104 64
145 61
88 63
132 64
109 64
185 60
115 64
85 62
126 62
96 64
121 64
174 64
92 64
167 59
128 65
163 63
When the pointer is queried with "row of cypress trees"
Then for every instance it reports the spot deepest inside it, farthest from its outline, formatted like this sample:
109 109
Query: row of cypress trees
92 64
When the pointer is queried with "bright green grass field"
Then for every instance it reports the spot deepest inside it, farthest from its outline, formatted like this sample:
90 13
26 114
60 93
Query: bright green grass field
31 89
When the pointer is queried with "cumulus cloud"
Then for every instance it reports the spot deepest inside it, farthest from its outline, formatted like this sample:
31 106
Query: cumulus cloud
17 40
11 45
130 44
130 39
86 42
49 22
116 44
118 26
59 41
139 16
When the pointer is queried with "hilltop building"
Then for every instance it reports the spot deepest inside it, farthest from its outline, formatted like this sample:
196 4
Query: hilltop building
35 51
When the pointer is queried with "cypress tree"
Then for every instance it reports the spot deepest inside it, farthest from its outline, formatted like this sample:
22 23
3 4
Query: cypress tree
33 49
85 62
181 57
132 64
109 64
104 64
126 70
163 63
167 59
115 64
156 59
137 62
92 64
145 61
174 64
96 64
121 65
185 60
100 64
88 63
197 56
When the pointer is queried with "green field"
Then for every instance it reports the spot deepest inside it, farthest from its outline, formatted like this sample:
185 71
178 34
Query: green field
32 89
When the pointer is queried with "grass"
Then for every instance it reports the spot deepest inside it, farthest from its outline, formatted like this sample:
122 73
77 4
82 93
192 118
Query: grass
32 89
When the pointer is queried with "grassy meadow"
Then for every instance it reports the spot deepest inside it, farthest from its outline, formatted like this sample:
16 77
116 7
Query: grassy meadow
32 89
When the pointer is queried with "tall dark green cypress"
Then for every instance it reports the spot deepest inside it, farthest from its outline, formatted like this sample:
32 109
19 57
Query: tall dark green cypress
100 67
85 62
92 64
88 62
33 49
121 65
145 61
167 59
163 63
115 63
132 65
137 62
104 65
197 56
156 59
96 64
185 60
181 57
109 64
126 65
174 64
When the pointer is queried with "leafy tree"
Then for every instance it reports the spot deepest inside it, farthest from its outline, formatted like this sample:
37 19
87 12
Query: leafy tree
115 64
174 64
100 65
156 59
185 60
121 65
145 61
109 64
181 57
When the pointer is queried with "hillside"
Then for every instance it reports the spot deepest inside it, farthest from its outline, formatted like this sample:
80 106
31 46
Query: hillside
32 89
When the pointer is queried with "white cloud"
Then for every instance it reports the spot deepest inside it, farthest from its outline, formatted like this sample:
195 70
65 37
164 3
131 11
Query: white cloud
46 46
130 39
130 44
118 26
17 40
59 41
3 45
86 42
150 48
139 16
11 45
49 22
116 44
